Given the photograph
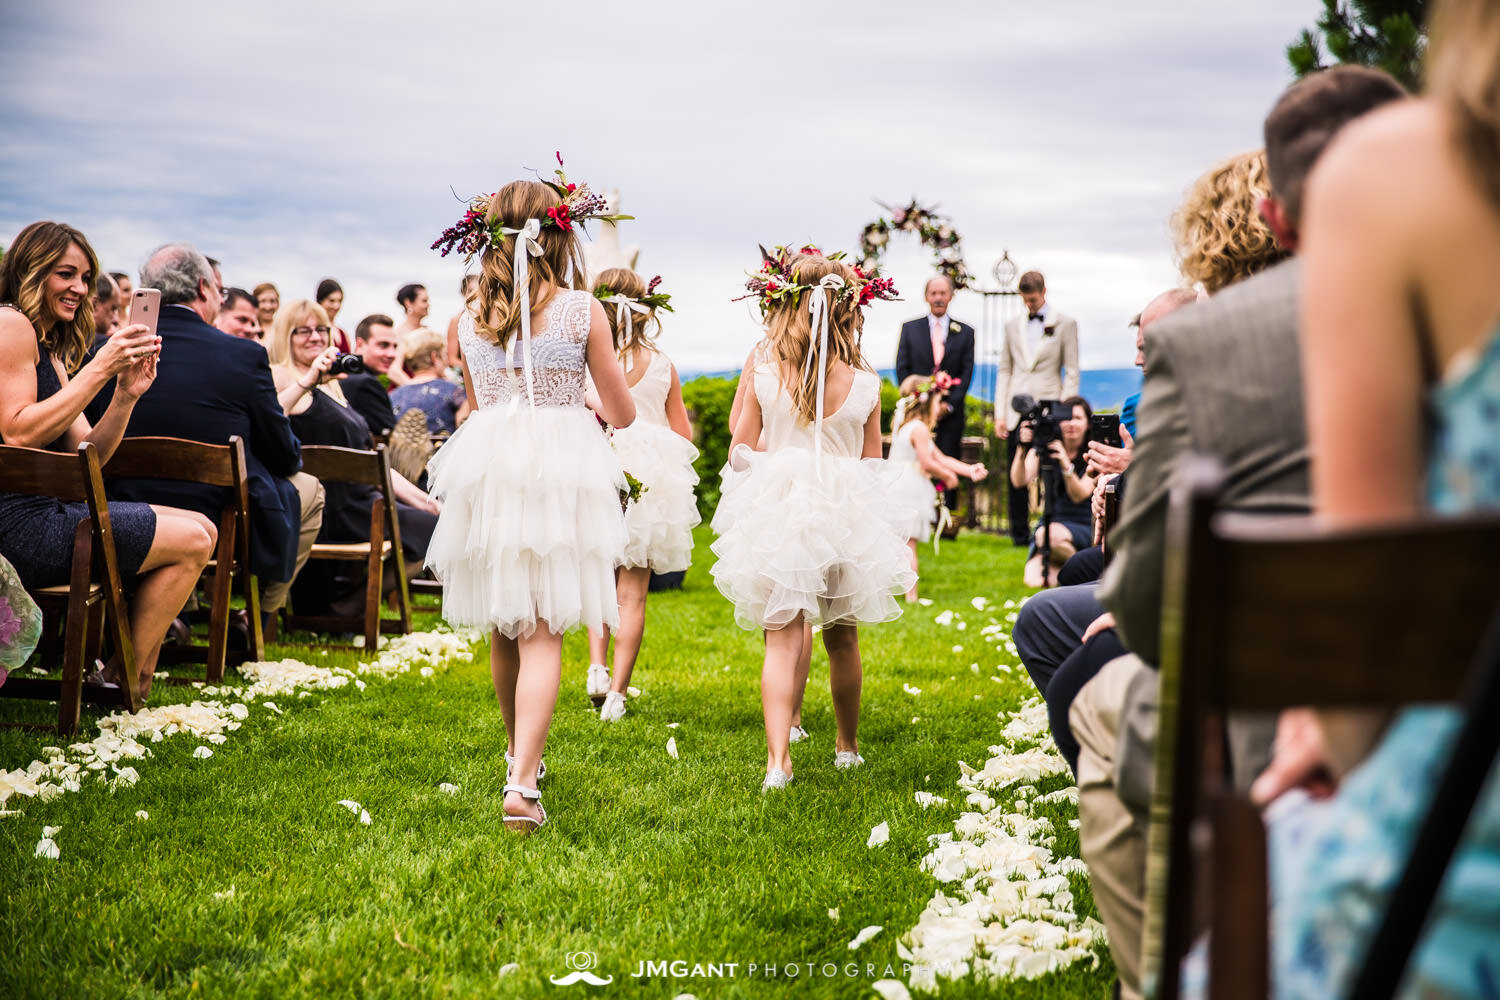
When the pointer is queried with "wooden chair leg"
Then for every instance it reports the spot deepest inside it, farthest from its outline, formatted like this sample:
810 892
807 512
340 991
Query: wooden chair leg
220 587
75 641
251 586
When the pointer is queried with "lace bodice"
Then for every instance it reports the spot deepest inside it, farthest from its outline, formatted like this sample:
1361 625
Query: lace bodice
558 354
843 429
650 393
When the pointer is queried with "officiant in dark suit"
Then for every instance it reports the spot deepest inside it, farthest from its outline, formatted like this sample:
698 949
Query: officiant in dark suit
934 343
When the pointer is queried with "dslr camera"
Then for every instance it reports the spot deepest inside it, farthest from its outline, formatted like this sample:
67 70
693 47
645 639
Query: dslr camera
1046 419
347 364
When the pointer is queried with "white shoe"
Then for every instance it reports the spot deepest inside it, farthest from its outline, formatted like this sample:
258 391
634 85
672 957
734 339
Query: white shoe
798 735
845 760
776 778
614 707
598 682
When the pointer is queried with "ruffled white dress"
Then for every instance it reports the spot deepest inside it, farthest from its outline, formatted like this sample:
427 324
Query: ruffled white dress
800 534
908 488
660 524
531 528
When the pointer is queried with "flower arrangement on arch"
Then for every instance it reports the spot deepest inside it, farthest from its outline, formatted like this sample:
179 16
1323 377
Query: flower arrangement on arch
774 282
471 234
934 230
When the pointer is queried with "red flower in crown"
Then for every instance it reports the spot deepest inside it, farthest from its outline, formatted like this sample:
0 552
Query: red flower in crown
559 215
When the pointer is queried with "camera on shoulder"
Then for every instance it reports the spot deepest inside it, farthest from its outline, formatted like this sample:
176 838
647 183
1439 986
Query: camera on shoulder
1045 417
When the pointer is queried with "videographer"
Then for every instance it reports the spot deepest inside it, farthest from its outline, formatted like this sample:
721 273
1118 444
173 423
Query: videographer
1051 438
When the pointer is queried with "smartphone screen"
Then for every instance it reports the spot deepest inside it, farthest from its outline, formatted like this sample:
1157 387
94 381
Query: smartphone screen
1105 428
145 307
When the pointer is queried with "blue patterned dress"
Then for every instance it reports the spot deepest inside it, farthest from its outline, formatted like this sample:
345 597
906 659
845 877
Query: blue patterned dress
1336 863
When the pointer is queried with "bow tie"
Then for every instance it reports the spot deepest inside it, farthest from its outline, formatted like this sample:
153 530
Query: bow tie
1032 316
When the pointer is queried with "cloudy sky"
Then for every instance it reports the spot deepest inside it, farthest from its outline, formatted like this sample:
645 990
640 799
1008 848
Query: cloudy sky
299 140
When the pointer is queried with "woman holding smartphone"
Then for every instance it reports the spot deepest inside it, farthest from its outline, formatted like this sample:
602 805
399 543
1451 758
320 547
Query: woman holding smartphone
46 328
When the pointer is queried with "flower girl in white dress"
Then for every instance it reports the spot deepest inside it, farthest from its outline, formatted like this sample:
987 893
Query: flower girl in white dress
531 529
657 450
915 459
804 535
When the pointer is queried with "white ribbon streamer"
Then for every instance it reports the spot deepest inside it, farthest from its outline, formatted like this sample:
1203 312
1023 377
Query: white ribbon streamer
819 305
624 306
527 247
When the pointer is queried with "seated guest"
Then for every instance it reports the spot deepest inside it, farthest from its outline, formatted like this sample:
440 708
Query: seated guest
239 315
331 297
49 271
1223 379
1065 482
301 357
122 281
211 387
375 344
107 303
444 402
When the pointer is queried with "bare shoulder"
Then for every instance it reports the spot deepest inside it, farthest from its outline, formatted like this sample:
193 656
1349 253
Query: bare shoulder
1408 139
17 336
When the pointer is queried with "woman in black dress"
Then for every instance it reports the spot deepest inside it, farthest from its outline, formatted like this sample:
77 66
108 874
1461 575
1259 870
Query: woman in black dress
301 353
46 327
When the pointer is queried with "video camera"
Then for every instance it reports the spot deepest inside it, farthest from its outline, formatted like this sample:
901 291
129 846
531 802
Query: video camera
1046 418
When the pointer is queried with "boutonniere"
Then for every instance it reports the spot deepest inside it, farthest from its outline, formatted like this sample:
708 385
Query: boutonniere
953 327
1048 331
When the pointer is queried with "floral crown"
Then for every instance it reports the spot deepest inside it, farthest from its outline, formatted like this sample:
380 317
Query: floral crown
472 234
651 300
774 283
940 381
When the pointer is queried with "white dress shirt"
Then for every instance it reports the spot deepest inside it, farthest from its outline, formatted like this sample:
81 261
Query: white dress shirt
1036 328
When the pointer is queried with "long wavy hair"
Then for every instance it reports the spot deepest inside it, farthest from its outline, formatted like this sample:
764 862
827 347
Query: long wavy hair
1463 74
1217 230
924 406
497 302
791 336
644 327
23 280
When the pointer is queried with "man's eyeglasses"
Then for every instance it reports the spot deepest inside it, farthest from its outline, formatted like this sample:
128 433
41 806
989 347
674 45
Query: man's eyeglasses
308 331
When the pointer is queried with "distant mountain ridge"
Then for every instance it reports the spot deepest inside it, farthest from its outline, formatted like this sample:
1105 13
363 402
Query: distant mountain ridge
1104 388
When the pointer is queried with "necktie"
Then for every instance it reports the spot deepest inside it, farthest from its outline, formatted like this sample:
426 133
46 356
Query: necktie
939 339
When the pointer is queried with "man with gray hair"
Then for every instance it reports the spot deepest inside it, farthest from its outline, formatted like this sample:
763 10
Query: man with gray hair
210 386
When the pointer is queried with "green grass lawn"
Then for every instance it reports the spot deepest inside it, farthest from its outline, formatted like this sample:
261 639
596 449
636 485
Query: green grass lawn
646 858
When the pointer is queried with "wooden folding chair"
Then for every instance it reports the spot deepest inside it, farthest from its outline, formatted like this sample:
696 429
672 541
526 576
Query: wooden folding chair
93 590
1264 614
215 465
1111 517
368 468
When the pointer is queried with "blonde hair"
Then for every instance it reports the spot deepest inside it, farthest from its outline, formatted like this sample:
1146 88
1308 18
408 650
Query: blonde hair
279 344
791 336
497 301
23 280
1217 230
1464 75
421 344
643 326
923 405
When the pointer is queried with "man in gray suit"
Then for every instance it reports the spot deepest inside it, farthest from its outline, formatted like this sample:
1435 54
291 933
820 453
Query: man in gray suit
1223 379
1039 358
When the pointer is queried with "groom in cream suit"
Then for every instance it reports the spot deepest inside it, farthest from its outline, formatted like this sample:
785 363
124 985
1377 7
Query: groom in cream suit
1040 358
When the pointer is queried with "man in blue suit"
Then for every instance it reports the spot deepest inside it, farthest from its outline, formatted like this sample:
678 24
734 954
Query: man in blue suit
209 386
938 342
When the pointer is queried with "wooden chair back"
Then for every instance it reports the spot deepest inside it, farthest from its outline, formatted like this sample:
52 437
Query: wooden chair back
94 586
221 465
1111 517
1263 614
367 468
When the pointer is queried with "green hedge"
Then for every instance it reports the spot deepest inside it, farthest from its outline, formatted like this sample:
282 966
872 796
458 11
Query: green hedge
708 401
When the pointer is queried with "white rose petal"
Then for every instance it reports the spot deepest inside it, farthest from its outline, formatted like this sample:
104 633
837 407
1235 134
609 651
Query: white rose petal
916 719
833 914
508 968
142 814
364 817
913 691
926 602
350 805
270 706
672 747
634 692
45 848
945 619
891 989
448 788
927 800
427 671
879 835
961 626
202 753
864 936
973 668
226 894
672 725
958 649
979 603
217 738
240 711
361 686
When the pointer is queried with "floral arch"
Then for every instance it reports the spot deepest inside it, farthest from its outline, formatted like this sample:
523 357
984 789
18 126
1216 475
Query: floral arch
933 230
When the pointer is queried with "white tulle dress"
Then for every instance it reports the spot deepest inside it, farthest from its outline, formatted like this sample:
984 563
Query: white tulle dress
796 539
659 525
531 528
908 488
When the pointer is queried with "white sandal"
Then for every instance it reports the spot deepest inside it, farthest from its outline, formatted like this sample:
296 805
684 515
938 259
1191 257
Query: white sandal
524 824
